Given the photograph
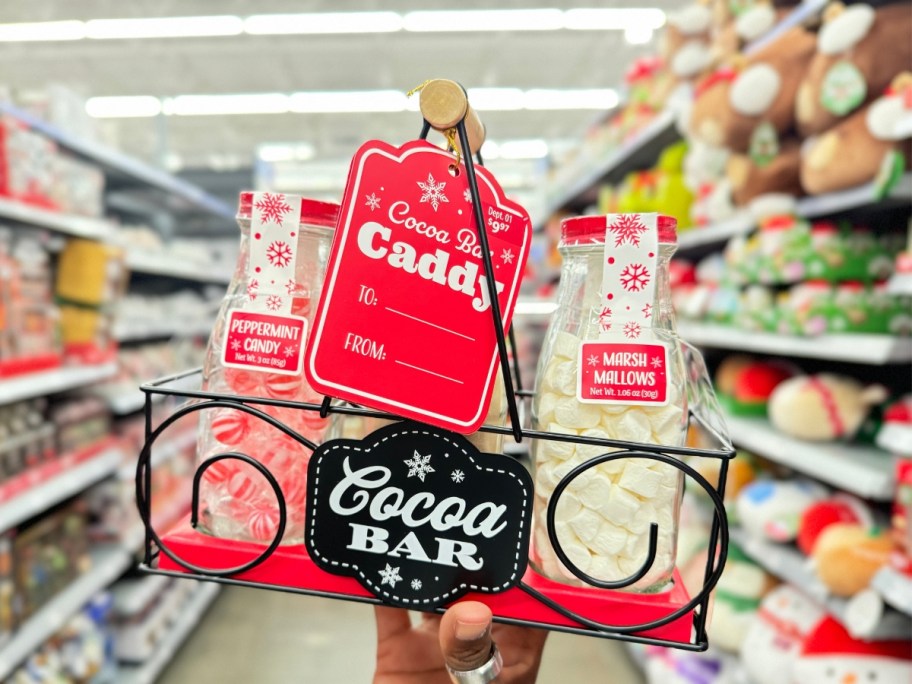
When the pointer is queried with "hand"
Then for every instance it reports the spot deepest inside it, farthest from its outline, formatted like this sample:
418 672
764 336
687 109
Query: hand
460 638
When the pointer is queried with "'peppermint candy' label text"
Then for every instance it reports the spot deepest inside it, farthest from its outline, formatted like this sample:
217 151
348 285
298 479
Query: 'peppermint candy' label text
265 342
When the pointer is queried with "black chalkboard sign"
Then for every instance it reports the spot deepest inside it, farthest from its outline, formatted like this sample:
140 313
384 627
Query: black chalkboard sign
418 515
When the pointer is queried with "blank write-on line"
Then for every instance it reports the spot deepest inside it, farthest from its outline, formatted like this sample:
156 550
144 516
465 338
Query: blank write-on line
433 325
430 372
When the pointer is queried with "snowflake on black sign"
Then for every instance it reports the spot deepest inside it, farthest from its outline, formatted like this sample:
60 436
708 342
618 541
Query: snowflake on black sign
416 584
627 228
647 310
273 302
390 576
279 254
457 476
432 192
632 330
252 288
419 466
634 277
273 207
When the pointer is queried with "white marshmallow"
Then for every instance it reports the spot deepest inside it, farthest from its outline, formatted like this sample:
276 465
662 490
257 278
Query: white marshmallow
667 420
639 525
590 450
605 568
579 555
545 409
596 492
636 547
581 481
568 506
640 479
620 507
566 345
610 540
560 377
586 524
571 413
633 426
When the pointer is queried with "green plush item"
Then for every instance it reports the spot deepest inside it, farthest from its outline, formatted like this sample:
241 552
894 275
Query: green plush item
788 250
817 309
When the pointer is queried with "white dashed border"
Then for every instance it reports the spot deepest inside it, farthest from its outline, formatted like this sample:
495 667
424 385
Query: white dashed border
436 600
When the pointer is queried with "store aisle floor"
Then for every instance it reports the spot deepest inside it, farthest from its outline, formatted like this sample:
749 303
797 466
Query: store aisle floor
260 637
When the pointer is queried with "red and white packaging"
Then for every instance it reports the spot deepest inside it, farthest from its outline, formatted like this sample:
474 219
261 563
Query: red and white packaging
404 322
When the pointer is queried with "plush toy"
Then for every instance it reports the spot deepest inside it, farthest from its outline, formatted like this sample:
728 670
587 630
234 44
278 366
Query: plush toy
744 387
685 43
704 174
859 51
822 407
672 194
895 434
831 656
776 636
772 509
671 666
840 508
847 555
869 145
737 598
737 24
773 167
748 107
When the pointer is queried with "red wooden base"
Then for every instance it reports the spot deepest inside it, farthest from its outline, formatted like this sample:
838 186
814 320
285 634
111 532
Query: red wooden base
290 567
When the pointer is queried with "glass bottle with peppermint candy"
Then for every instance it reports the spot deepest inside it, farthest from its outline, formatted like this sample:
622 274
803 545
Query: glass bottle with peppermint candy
611 367
256 350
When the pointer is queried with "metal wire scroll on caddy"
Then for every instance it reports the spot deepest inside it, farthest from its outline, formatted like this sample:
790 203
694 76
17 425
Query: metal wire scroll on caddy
718 539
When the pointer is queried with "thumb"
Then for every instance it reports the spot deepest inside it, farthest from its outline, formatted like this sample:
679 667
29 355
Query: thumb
465 635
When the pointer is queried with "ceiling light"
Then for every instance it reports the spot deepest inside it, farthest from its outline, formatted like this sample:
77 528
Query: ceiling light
164 27
523 149
211 105
343 101
280 152
495 99
597 98
42 31
323 22
484 20
638 35
585 19
123 107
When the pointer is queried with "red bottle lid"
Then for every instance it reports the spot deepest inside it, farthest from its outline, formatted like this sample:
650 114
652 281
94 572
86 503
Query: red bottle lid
313 212
581 230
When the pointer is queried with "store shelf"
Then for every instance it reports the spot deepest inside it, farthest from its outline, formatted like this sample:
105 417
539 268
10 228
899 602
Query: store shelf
72 481
862 470
535 306
125 170
900 284
137 332
895 588
790 565
161 453
124 398
131 596
169 266
177 634
108 563
717 233
52 381
875 350
76 226
864 196
640 152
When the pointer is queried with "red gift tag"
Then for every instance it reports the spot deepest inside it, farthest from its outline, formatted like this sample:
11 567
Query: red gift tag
623 373
404 322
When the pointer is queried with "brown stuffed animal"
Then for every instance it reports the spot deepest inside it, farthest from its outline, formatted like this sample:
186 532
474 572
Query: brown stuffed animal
859 51
685 43
868 145
752 176
847 555
754 103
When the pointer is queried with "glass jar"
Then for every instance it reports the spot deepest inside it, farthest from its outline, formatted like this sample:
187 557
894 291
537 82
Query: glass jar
284 248
603 517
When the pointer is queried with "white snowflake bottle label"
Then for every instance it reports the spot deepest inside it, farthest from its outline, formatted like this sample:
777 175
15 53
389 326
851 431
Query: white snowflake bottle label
263 335
628 364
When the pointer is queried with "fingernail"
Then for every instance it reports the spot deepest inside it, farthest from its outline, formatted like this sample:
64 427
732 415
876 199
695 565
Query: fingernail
470 631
